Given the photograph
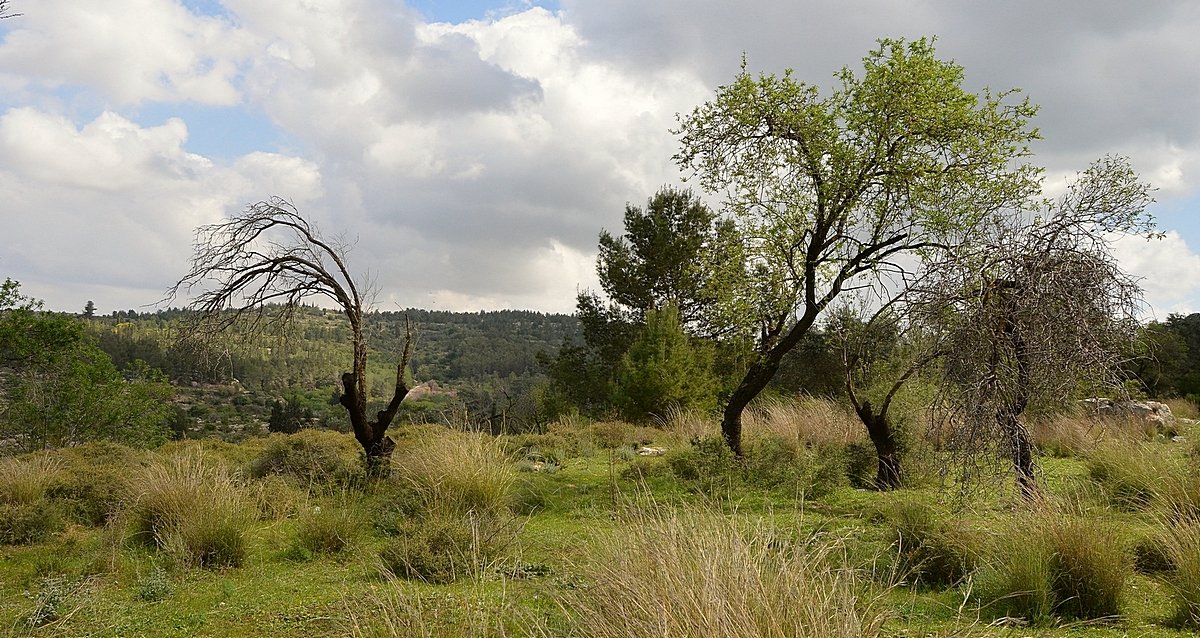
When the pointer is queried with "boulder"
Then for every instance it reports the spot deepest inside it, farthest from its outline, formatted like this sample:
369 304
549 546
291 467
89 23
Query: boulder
1150 411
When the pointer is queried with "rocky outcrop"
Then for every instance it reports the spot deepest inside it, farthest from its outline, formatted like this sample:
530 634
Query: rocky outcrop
1149 411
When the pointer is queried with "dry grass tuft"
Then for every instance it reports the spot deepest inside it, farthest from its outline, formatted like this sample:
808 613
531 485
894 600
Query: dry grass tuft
694 572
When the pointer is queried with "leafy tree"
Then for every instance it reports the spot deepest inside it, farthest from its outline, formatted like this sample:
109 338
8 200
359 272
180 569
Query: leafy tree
264 262
675 251
665 370
826 191
89 309
63 389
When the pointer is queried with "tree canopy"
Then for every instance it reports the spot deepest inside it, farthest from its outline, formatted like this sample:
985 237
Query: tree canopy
898 161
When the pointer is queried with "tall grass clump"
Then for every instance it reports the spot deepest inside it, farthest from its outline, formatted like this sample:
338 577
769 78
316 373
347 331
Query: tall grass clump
193 509
1131 473
26 514
693 572
1049 565
326 530
315 459
804 420
1181 541
449 507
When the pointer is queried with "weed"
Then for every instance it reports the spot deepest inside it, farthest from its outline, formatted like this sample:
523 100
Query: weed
154 585
931 550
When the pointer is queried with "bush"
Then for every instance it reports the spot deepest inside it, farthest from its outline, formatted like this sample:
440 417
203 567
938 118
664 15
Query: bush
327 530
192 509
441 549
931 551
27 523
94 481
1055 565
457 472
316 459
696 573
26 514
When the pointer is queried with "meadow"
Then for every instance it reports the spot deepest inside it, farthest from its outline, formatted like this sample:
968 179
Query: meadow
582 531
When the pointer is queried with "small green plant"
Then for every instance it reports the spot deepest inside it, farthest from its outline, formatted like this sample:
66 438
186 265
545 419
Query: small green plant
50 601
154 585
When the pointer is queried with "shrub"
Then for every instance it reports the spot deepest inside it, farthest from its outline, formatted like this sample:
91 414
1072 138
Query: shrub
193 509
26 523
327 530
931 551
1050 565
316 459
155 585
457 472
696 573
26 514
441 549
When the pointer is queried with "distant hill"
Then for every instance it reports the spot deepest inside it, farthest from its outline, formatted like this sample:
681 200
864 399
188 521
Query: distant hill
451 347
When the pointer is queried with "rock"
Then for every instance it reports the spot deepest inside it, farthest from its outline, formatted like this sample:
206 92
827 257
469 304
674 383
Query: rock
651 451
1150 411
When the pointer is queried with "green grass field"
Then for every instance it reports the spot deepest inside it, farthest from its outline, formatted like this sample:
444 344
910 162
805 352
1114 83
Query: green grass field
571 533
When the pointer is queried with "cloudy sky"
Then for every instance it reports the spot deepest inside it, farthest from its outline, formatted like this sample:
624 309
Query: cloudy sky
472 151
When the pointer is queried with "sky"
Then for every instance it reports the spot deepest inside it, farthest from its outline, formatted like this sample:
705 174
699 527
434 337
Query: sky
471 152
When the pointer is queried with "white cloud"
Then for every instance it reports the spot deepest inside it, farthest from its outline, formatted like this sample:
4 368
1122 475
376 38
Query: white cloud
478 161
133 51
113 205
1169 270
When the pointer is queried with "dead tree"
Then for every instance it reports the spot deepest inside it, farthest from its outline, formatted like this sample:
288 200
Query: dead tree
1037 311
252 271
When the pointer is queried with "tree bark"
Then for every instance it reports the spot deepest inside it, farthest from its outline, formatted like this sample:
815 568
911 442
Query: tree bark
888 474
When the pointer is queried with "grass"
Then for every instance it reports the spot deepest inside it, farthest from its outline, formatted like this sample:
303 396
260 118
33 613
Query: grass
694 572
606 544
193 509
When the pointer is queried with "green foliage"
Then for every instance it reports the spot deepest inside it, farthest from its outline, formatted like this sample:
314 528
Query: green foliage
155 585
327 530
64 389
675 252
771 462
438 549
288 417
931 549
27 515
665 370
